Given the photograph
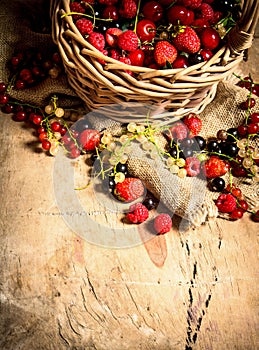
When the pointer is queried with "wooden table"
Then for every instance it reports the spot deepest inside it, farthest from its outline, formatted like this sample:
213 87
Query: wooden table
192 290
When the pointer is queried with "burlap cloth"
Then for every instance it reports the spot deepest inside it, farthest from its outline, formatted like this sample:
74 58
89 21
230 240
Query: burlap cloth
25 25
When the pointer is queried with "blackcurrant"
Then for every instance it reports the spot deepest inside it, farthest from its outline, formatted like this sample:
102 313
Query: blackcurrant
195 58
232 134
217 184
149 203
213 146
122 168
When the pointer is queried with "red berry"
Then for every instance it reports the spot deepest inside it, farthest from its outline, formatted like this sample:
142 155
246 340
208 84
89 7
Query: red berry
111 36
40 129
205 11
210 38
46 145
111 12
84 26
20 84
254 117
3 87
129 190
137 57
242 130
128 41
146 30
43 136
74 153
181 61
243 204
128 9
252 128
255 216
25 74
138 213
236 214
76 7
8 108
21 116
36 119
55 126
178 131
4 98
192 166
62 130
249 103
193 123
180 13
153 10
215 167
193 4
89 139
163 223
206 54
226 203
97 40
187 40
164 52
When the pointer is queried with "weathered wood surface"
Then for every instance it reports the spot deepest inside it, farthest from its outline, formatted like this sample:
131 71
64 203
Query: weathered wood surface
196 290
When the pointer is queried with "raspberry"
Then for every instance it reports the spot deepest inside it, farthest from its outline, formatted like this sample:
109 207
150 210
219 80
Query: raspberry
128 9
162 223
130 189
84 26
115 54
126 60
138 213
193 4
205 11
164 52
192 166
193 123
215 167
178 131
108 2
97 40
76 7
128 41
226 203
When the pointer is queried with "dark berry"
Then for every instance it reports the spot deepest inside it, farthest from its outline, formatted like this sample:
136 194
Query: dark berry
122 168
231 149
213 146
199 142
195 58
149 203
232 134
217 184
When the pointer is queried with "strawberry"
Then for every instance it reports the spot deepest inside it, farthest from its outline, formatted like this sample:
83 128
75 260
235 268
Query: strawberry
163 223
89 139
111 36
138 213
129 190
193 123
187 40
164 52
215 167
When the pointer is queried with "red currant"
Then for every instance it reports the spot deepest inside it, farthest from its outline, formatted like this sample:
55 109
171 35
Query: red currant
3 87
255 216
75 152
4 98
254 117
249 103
25 74
46 144
243 204
8 108
43 136
20 84
242 130
41 129
63 130
252 128
236 214
37 119
55 126
21 116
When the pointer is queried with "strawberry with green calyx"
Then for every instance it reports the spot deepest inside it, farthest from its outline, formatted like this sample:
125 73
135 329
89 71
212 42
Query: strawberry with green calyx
164 53
186 39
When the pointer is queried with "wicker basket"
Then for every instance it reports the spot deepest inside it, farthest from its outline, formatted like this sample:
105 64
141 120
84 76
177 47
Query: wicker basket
178 91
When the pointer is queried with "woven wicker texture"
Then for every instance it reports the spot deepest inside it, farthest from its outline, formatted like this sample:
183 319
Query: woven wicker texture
180 91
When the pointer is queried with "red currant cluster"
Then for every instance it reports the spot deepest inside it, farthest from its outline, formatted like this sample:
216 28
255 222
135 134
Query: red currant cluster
156 34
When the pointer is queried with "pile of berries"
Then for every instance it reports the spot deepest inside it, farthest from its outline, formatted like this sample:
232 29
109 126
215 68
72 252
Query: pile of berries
185 153
156 34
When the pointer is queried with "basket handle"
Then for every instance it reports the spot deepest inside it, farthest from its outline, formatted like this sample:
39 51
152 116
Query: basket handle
241 36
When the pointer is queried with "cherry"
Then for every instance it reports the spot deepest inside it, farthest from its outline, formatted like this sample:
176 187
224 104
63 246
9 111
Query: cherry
46 144
206 54
178 13
210 38
111 11
153 10
181 61
146 30
137 57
